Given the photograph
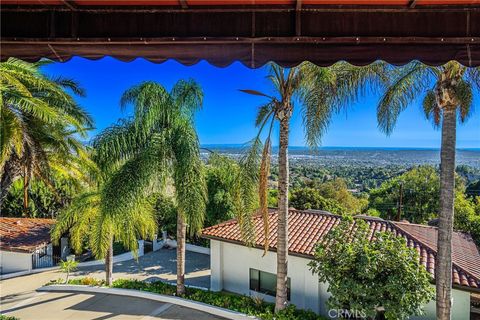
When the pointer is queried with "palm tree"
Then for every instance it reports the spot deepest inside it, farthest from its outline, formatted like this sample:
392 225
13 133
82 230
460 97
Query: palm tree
320 92
86 219
447 93
157 147
40 126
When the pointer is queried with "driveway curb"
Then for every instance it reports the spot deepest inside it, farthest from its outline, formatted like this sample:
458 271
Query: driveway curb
26 273
221 312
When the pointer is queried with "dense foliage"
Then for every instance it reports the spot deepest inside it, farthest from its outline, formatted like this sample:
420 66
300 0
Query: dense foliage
220 176
40 129
166 214
473 188
420 198
310 198
467 216
371 277
221 183
336 189
45 200
419 195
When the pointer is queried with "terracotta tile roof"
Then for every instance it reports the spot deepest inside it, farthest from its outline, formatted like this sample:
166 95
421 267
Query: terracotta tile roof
24 234
308 227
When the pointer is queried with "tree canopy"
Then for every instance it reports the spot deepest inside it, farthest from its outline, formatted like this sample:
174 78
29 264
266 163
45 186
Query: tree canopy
420 198
371 277
40 129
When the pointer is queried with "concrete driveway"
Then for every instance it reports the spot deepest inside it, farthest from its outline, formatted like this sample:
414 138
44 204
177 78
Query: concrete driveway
159 265
86 306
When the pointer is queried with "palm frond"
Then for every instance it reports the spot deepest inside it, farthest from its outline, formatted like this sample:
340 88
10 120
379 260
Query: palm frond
464 95
473 76
264 112
431 109
406 84
246 191
263 190
189 181
76 219
316 114
188 97
118 143
153 105
135 180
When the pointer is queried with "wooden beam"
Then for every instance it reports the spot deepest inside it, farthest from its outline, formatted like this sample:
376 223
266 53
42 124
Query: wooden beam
237 40
309 8
298 18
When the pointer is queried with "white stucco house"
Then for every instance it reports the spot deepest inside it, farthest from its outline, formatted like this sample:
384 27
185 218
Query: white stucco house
241 269
25 244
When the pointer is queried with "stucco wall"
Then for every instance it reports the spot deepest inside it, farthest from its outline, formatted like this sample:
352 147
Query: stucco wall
15 261
230 267
230 264
460 307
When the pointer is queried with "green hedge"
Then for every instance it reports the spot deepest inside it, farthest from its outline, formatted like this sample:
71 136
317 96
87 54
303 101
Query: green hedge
4 317
250 306
243 304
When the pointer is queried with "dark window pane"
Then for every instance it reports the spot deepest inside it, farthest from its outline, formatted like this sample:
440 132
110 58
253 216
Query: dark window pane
265 282
268 283
254 280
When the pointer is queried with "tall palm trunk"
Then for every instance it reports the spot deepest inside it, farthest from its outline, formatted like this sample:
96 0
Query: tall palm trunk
282 232
181 234
109 264
445 228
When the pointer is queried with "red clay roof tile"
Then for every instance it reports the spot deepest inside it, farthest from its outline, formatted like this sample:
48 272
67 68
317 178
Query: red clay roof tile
24 234
308 227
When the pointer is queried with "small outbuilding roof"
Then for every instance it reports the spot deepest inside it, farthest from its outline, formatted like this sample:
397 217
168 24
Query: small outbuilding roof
308 227
24 234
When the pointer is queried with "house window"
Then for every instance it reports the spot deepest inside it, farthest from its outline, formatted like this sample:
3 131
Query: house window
265 282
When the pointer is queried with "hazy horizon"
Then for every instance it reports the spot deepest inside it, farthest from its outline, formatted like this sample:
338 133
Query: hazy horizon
240 145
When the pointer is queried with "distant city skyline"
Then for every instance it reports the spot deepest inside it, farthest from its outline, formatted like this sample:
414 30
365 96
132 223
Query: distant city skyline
228 115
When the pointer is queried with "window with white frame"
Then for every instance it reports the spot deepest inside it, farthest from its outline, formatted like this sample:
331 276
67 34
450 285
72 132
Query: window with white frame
265 282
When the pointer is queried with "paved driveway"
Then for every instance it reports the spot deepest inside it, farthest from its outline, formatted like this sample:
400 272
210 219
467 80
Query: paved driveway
159 265
64 305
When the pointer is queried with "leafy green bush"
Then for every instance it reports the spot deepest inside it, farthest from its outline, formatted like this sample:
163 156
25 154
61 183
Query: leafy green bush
87 281
4 317
376 278
310 198
67 267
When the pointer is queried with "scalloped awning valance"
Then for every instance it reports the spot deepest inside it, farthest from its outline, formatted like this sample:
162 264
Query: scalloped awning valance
252 32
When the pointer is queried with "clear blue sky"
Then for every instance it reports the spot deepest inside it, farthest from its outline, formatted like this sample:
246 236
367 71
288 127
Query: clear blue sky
228 114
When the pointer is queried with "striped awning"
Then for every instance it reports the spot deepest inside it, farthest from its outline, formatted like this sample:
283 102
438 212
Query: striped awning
253 32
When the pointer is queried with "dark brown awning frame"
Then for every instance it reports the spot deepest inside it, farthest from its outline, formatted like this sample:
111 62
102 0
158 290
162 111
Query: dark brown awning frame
251 34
